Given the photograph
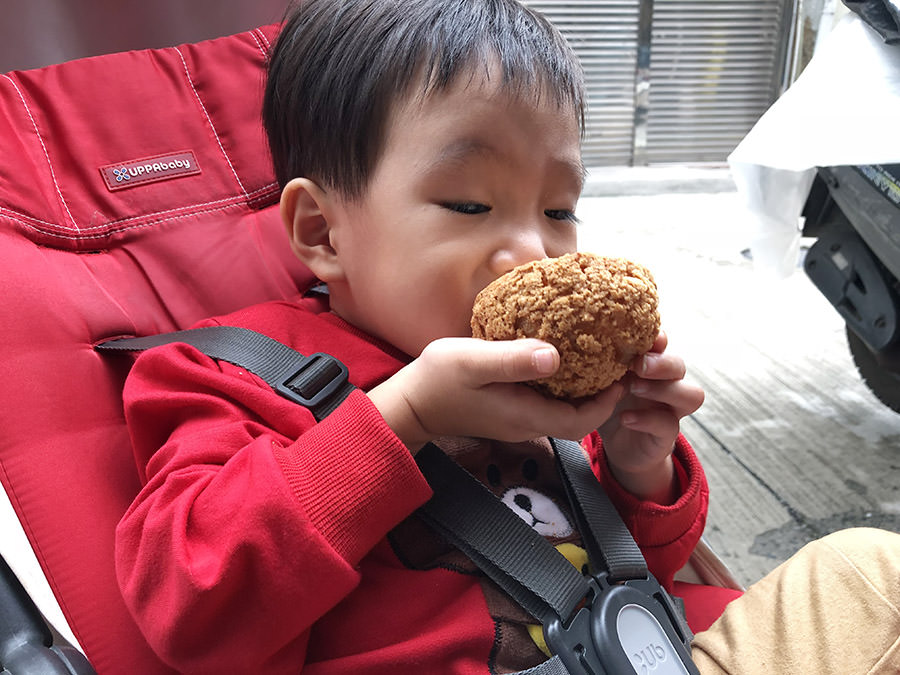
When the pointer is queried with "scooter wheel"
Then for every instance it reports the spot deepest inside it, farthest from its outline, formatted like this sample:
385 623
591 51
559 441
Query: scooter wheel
884 383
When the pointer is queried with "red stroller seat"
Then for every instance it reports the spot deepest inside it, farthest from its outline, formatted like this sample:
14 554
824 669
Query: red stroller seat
136 197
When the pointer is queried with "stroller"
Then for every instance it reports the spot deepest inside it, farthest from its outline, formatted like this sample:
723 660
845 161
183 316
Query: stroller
136 198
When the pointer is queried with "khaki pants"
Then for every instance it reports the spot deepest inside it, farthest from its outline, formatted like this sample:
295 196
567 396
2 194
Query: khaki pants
833 608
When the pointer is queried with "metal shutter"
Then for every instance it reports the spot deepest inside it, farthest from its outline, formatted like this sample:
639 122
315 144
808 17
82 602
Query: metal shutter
715 69
604 35
715 66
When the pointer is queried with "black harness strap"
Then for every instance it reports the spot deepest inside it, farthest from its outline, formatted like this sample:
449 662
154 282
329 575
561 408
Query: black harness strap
504 546
318 382
474 520
607 540
579 613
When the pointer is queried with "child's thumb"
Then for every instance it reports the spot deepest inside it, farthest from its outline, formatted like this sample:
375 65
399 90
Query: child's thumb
519 360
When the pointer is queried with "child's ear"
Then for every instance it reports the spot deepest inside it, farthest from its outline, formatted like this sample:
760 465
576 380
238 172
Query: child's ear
305 209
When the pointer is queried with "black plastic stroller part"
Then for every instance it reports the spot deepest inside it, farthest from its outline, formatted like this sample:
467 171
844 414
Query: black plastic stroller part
26 642
855 212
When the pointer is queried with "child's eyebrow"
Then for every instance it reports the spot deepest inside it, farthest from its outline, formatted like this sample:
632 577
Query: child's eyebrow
461 149
576 169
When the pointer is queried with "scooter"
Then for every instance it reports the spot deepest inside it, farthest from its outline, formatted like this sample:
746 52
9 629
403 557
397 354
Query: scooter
854 211
825 155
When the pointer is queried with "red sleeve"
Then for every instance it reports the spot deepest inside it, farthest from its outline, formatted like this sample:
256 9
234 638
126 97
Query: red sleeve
666 535
253 518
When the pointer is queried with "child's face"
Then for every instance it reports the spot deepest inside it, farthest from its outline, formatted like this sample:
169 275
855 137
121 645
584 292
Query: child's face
472 182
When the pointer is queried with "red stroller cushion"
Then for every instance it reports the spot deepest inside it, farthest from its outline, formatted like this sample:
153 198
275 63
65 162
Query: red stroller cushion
136 197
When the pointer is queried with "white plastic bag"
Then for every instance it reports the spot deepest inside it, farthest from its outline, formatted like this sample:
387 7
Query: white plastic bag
843 110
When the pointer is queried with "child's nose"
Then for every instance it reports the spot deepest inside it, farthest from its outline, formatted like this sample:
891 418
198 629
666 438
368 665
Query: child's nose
519 247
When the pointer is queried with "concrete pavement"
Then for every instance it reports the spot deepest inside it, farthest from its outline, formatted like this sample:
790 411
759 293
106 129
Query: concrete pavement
793 443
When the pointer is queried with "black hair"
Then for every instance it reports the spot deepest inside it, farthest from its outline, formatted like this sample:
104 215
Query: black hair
338 66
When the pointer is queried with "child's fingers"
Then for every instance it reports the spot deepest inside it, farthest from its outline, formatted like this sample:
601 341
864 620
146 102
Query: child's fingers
467 387
659 346
574 422
661 342
485 362
658 424
682 397
656 366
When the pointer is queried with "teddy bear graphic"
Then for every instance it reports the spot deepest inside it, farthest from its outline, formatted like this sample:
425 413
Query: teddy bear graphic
538 511
523 476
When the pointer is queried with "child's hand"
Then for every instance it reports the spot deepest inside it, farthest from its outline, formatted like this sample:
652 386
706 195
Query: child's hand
639 438
468 387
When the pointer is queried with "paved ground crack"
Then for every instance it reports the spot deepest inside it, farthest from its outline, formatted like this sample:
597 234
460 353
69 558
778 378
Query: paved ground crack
797 517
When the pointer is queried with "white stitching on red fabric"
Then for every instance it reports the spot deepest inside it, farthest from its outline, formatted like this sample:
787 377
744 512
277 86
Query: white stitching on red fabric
266 188
264 38
22 219
256 35
209 119
46 154
181 211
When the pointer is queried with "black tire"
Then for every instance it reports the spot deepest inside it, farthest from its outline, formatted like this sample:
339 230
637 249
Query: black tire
884 383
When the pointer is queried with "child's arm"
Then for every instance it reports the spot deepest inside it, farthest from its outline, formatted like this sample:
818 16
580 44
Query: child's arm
468 387
666 533
648 468
640 436
253 519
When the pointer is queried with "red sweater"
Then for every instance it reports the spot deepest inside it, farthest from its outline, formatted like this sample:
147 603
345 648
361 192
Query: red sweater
263 541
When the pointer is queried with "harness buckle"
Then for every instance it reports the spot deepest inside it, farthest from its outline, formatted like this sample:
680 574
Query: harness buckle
626 627
320 375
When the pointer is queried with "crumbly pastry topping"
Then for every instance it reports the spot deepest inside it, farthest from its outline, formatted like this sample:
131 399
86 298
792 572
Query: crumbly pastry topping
600 313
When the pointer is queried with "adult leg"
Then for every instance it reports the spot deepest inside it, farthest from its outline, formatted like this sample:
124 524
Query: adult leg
832 609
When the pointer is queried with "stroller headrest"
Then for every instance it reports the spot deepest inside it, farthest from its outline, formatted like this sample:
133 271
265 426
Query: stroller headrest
177 123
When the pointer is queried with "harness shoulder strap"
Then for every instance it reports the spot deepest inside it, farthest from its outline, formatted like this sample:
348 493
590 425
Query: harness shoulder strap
318 382
511 552
505 547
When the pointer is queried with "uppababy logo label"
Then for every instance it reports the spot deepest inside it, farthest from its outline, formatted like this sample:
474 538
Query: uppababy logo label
149 170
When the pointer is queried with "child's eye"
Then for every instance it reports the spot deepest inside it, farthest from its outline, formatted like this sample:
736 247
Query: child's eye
468 208
562 214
